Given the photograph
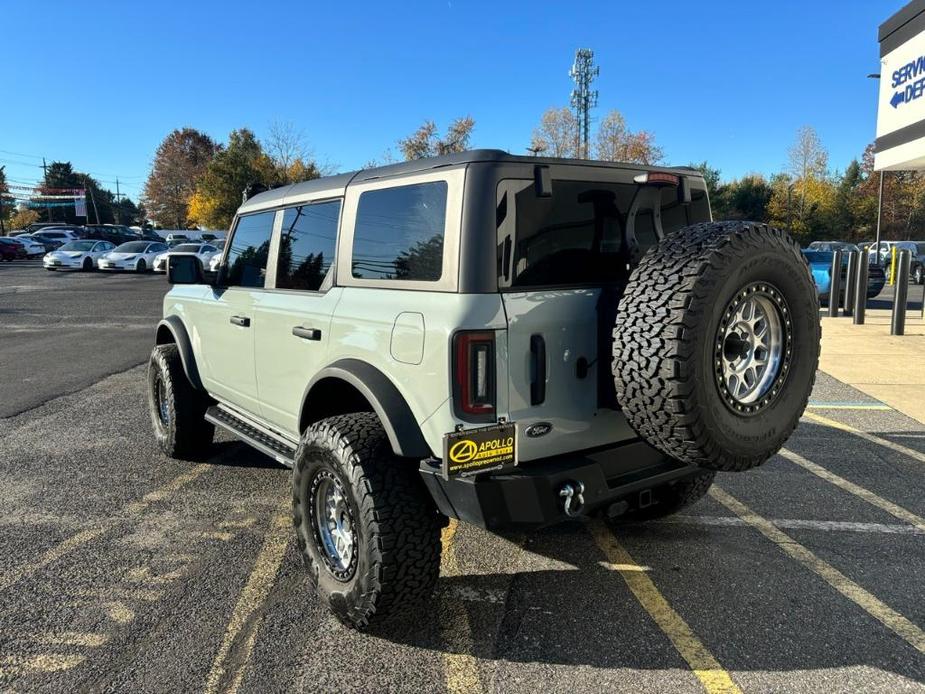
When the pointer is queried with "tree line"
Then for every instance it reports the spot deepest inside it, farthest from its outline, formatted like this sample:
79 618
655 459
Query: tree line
196 181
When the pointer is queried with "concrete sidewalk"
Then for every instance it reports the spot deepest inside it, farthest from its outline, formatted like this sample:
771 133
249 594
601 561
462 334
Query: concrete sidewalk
886 367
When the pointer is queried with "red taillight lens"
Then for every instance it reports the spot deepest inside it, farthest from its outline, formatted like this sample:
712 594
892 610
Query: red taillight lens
474 369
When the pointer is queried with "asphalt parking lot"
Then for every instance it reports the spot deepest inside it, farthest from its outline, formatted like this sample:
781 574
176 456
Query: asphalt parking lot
123 570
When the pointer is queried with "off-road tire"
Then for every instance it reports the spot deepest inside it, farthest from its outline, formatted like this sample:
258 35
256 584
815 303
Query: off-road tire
185 434
667 327
676 496
396 524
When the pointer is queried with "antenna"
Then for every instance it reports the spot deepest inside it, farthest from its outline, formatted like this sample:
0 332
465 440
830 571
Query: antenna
584 98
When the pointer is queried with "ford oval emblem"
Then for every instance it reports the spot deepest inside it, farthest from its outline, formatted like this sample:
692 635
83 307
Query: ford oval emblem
539 429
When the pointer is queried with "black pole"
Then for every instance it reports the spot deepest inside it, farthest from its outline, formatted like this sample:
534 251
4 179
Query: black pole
900 293
2 228
835 284
854 258
860 288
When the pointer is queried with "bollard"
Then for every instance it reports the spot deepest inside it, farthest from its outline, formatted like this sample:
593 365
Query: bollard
835 284
903 262
854 259
860 289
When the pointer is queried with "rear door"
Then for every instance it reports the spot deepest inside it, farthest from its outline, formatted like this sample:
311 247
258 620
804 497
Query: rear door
293 316
563 259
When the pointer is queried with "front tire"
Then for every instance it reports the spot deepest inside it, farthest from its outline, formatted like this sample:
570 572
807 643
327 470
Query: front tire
141 267
177 409
87 265
716 344
367 529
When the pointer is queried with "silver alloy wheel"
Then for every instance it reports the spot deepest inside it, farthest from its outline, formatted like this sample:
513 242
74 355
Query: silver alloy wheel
753 348
160 400
333 524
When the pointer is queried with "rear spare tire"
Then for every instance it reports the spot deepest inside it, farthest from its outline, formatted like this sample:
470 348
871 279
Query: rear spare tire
716 344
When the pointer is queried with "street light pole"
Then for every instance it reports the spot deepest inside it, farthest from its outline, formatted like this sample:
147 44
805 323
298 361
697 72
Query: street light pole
879 216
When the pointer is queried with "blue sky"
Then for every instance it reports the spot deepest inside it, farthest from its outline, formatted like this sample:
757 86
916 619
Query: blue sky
101 83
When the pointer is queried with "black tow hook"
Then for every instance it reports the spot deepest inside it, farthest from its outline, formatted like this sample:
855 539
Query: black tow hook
573 494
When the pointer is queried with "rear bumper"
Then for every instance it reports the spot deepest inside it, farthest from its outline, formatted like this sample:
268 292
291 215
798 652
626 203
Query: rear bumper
616 480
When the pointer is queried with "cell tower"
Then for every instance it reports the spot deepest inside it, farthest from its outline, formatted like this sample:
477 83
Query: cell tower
584 98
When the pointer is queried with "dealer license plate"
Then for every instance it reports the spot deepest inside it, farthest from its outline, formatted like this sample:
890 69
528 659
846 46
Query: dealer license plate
473 451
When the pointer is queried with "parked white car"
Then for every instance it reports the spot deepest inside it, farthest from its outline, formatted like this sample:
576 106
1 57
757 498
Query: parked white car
77 255
203 251
33 247
137 256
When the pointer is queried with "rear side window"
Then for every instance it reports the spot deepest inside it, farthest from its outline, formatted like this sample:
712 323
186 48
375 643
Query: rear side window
399 233
306 245
250 247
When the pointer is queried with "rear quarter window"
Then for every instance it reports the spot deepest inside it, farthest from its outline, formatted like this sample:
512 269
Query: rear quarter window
399 233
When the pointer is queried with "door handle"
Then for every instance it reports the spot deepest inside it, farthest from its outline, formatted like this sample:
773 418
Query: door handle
307 333
243 321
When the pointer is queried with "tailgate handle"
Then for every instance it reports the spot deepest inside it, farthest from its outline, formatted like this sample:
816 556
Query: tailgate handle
537 369
243 321
306 333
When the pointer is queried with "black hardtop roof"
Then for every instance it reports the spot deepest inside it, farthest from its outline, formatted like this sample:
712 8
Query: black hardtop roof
472 156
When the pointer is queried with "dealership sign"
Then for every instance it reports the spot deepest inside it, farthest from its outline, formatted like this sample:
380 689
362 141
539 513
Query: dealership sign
900 141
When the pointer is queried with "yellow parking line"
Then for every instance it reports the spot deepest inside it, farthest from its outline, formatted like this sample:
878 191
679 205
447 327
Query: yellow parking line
252 597
899 448
892 619
852 488
84 536
71 638
45 662
461 670
711 674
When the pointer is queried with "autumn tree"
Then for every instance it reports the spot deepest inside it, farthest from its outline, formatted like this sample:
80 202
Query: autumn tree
23 218
808 161
615 142
7 205
426 141
241 163
557 133
180 160
287 147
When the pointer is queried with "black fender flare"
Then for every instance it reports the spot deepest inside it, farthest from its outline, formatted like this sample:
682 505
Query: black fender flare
174 325
388 403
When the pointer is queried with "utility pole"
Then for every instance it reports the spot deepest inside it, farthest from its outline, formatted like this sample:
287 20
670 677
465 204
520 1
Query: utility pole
118 200
584 98
45 182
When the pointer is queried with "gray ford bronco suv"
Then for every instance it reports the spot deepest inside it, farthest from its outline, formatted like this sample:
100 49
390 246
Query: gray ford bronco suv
505 340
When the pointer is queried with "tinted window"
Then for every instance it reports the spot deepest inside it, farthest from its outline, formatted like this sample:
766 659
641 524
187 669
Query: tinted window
572 237
306 245
399 233
133 247
186 248
674 212
250 246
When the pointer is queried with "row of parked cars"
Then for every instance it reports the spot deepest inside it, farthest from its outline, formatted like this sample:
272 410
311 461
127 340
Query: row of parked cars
881 253
106 247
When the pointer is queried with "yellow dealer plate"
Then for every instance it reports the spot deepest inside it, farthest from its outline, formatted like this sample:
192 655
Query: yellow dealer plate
486 449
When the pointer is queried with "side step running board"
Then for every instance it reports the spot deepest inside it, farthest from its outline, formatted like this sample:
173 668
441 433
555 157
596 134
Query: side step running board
278 448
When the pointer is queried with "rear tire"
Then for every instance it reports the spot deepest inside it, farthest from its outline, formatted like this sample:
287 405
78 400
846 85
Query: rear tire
367 529
177 408
716 344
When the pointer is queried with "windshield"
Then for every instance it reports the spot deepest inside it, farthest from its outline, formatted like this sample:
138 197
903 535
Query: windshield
77 246
186 248
132 247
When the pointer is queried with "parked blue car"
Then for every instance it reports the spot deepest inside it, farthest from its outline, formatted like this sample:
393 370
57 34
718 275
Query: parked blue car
820 264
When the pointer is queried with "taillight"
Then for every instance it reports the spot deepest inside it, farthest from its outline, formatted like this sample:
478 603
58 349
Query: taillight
474 369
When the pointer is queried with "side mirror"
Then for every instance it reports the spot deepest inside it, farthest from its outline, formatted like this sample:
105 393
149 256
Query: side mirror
184 269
